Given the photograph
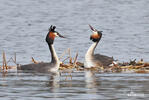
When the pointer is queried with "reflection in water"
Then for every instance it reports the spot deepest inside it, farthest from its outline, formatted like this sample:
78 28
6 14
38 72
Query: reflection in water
53 84
3 73
86 85
54 80
91 83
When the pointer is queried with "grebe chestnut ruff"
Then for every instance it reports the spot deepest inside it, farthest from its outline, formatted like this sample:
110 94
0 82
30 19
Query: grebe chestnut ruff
96 60
53 66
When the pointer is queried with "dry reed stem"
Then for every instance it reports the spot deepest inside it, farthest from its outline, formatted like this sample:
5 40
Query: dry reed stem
138 67
12 61
65 59
15 58
141 71
63 53
66 66
33 60
75 59
70 58
4 61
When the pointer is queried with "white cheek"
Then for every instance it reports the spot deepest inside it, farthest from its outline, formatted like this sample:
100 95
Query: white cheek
55 34
95 32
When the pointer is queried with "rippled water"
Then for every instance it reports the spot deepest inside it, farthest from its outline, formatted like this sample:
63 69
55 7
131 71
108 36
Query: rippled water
76 85
24 25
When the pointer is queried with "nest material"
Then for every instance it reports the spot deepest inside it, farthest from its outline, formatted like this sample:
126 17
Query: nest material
138 67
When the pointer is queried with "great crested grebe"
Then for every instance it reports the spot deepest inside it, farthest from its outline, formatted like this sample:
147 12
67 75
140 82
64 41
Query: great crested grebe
53 66
96 60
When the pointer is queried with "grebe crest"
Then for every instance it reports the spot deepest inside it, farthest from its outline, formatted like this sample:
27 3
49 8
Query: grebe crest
96 60
53 66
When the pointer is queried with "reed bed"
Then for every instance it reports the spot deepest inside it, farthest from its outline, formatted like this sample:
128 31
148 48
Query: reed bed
72 63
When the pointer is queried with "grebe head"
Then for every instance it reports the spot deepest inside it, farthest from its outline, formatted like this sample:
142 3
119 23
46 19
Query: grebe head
52 34
96 35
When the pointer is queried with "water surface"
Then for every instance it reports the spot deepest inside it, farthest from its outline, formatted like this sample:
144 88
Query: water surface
24 25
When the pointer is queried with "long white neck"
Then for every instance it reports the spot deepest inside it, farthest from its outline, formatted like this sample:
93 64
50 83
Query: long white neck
54 57
89 56
90 51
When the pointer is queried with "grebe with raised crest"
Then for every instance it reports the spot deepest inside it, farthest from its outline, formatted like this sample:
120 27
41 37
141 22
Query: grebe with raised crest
96 60
53 66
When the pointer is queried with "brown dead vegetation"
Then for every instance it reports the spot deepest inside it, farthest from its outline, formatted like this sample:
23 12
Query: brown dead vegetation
72 64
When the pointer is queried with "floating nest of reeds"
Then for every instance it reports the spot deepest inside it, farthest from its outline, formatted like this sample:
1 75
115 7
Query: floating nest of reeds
72 64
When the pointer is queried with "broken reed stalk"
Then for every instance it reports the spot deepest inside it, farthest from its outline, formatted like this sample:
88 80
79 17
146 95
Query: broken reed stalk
4 61
33 60
70 58
9 60
65 59
75 59
15 58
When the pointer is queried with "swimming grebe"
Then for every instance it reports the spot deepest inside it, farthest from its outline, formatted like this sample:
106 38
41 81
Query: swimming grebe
53 66
96 60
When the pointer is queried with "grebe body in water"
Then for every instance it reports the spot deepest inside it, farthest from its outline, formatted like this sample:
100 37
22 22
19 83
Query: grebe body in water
96 60
53 66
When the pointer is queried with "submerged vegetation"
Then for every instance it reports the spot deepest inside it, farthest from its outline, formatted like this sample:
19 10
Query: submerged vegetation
71 63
